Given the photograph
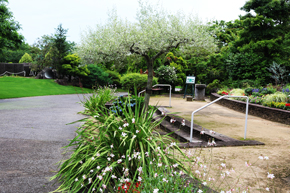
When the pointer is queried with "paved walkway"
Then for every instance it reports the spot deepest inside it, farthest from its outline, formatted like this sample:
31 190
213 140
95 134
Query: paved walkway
32 132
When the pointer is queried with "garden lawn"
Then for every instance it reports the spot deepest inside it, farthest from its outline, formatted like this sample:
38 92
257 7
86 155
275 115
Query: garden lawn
15 87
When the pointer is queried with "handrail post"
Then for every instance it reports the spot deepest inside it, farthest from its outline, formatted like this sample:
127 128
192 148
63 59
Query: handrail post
170 96
225 96
246 121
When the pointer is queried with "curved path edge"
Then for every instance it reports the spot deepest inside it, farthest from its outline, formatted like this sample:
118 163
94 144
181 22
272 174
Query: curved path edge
33 131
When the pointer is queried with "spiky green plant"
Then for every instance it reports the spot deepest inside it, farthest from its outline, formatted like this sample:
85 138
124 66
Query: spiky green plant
109 147
98 99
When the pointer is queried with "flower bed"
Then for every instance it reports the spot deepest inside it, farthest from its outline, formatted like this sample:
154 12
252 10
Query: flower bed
265 96
269 113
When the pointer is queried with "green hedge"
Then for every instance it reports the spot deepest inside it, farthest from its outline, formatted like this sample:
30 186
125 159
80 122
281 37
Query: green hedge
132 80
97 77
115 77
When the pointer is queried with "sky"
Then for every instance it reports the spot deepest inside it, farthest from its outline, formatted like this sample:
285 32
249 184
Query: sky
41 17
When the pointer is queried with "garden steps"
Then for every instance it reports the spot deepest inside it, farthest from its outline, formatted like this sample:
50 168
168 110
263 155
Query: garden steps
182 132
177 132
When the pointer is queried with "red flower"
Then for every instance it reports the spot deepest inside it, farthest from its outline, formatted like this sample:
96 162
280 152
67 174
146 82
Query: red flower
225 93
129 188
287 104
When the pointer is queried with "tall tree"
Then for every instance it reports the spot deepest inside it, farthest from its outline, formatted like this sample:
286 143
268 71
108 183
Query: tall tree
155 33
262 39
9 36
53 48
63 47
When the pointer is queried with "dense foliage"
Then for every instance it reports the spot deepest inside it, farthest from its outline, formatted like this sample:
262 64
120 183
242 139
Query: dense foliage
251 44
115 78
166 75
71 67
51 50
96 77
9 35
136 80
26 58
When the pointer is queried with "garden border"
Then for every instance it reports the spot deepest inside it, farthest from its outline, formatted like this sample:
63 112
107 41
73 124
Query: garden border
272 114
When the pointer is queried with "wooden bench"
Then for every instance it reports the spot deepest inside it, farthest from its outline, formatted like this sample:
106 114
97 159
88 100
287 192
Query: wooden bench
157 89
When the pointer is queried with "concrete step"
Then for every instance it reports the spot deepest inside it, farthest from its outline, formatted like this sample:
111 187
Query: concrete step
177 133
182 132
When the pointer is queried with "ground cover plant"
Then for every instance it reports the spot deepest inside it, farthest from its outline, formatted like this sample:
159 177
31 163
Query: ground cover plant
15 87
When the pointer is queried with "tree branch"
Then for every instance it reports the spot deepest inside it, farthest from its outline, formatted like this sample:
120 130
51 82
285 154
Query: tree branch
134 51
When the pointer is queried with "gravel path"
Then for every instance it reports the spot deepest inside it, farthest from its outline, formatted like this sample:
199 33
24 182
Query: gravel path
32 132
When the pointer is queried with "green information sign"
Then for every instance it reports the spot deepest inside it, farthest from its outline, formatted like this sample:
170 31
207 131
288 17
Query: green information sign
190 80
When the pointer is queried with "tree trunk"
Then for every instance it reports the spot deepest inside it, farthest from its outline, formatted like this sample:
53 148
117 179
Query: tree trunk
149 82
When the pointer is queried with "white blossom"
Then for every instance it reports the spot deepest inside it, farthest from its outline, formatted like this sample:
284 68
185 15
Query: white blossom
155 190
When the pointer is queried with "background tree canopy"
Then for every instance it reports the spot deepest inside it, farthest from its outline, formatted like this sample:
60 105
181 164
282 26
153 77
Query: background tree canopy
251 44
156 32
9 36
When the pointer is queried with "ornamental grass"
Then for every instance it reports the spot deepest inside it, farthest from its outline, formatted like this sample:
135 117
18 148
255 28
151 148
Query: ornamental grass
112 150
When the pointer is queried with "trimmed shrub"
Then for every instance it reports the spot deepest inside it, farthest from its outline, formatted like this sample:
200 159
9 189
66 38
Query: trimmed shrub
166 75
213 87
97 77
136 80
71 67
115 77
26 58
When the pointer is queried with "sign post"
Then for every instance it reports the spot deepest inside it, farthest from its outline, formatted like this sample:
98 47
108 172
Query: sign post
190 80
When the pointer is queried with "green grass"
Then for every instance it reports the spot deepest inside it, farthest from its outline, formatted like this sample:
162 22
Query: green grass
15 87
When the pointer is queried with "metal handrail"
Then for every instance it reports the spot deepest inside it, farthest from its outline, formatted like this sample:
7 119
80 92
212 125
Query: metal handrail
160 85
225 96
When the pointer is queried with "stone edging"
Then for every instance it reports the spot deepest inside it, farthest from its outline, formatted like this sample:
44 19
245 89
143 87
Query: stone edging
272 114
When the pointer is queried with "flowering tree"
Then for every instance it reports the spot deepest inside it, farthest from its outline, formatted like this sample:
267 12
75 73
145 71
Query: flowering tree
154 33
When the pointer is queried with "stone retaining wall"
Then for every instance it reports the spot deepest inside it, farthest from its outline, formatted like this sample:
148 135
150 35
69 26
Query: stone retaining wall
272 114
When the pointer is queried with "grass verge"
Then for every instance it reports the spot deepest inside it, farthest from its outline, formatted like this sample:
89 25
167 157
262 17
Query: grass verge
15 87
